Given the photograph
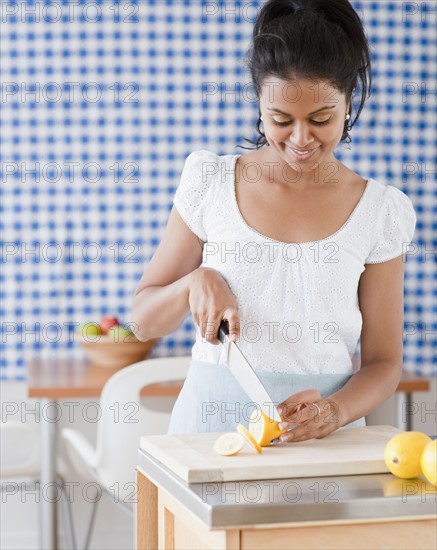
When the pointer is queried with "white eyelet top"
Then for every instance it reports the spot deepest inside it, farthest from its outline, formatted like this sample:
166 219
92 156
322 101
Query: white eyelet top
298 302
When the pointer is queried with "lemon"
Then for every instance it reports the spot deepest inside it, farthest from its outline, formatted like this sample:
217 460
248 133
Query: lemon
229 444
402 454
263 428
249 438
428 462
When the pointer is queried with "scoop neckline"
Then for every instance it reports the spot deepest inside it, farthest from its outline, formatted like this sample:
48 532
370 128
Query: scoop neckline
248 227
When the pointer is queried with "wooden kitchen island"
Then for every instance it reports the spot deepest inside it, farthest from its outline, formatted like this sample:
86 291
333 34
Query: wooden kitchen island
369 511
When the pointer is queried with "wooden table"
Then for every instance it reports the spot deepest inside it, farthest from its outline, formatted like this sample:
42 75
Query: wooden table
409 384
52 379
59 378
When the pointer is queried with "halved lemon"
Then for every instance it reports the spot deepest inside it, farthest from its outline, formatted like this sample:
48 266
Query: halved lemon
229 444
263 428
249 437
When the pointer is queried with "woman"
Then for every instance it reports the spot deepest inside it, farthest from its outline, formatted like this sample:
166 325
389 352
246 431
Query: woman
301 255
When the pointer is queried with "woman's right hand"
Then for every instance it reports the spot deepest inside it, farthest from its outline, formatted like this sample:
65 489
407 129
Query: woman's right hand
212 301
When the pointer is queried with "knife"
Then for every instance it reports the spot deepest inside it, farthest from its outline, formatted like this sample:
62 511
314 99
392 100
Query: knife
245 375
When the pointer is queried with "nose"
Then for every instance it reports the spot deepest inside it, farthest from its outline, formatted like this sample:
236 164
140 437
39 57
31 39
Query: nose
301 135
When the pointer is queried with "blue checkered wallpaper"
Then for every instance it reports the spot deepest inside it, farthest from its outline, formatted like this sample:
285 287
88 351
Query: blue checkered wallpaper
101 103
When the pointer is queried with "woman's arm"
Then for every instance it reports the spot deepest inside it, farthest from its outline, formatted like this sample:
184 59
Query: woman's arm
381 300
174 284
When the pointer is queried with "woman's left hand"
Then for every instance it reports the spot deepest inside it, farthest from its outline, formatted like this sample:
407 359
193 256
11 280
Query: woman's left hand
313 416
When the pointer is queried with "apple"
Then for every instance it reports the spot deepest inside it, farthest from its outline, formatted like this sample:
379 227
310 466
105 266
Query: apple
108 322
121 334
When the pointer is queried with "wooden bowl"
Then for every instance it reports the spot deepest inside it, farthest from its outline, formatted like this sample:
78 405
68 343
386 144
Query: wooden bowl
105 352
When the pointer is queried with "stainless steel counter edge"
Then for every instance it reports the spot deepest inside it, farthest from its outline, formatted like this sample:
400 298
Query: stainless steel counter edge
221 505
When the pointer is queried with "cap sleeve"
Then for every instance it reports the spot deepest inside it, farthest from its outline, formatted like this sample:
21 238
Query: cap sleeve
191 197
394 227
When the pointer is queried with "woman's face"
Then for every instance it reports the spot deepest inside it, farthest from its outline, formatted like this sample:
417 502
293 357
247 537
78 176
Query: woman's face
303 120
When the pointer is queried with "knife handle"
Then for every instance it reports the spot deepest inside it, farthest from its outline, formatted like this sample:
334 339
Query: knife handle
223 331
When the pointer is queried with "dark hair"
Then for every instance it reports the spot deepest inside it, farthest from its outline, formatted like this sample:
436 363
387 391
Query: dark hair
314 40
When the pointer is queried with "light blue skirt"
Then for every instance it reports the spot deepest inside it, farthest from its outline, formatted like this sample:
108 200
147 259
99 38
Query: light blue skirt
211 400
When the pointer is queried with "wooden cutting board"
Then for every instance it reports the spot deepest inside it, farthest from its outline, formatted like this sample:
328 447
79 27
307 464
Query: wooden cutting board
347 451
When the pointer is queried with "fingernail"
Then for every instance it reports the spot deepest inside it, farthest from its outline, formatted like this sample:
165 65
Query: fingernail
283 425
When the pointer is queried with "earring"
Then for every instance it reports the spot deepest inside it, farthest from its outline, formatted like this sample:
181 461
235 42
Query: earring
260 117
347 116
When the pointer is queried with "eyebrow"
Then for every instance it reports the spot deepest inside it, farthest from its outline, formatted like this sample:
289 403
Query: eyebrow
313 113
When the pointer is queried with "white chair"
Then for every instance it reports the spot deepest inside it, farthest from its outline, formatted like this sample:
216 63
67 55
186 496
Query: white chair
123 421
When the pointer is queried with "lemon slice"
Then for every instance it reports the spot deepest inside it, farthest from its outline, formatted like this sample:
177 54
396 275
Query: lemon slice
229 444
249 438
263 428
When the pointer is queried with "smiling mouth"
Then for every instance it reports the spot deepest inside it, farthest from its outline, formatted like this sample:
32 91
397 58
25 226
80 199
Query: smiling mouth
304 154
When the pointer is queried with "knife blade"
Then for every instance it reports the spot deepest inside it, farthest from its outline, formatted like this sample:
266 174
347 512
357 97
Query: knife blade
245 375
